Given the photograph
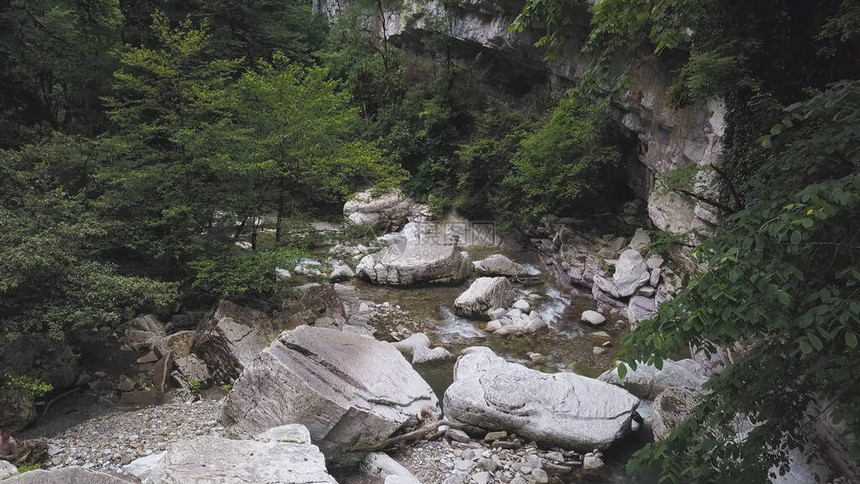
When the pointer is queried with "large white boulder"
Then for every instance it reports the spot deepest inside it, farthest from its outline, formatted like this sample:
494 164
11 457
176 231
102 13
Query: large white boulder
221 460
419 254
554 409
485 294
646 381
631 273
379 210
349 390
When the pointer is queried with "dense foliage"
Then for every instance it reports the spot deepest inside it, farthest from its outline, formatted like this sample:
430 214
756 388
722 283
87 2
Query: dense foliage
131 170
778 282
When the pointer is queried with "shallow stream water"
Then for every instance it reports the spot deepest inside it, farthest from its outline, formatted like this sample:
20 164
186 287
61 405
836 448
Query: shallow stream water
564 344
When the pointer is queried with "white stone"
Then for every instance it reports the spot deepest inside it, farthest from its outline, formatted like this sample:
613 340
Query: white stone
409 344
424 255
484 294
282 275
558 409
220 460
423 354
143 467
522 305
631 273
592 317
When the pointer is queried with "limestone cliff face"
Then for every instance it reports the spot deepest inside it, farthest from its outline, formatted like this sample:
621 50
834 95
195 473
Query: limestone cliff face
668 138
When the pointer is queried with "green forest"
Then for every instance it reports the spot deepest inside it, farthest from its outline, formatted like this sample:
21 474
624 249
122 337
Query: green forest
140 140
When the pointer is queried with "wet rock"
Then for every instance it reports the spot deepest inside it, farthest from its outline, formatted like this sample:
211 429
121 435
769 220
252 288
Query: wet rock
631 273
216 459
648 382
562 409
65 475
423 354
340 272
522 305
498 265
593 318
484 294
347 389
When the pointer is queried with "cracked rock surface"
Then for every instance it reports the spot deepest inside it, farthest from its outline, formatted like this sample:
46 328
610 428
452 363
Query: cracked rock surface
349 390
562 409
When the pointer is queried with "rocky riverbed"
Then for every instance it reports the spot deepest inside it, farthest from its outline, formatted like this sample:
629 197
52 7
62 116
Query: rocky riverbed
438 290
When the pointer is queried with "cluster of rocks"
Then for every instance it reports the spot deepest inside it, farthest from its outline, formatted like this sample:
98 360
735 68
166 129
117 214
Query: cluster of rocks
418 346
494 298
620 278
388 210
498 457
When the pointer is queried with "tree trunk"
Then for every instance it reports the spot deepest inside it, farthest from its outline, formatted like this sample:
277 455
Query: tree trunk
280 210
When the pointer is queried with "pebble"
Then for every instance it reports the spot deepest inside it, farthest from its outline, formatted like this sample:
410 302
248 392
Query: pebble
109 441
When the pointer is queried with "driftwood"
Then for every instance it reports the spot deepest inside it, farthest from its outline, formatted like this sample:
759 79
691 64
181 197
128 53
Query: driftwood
58 398
428 429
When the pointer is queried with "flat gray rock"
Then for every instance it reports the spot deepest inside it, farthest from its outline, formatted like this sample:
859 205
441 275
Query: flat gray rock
220 460
65 475
349 390
558 409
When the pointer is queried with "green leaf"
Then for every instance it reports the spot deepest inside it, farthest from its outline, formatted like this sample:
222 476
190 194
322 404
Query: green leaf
851 340
783 297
